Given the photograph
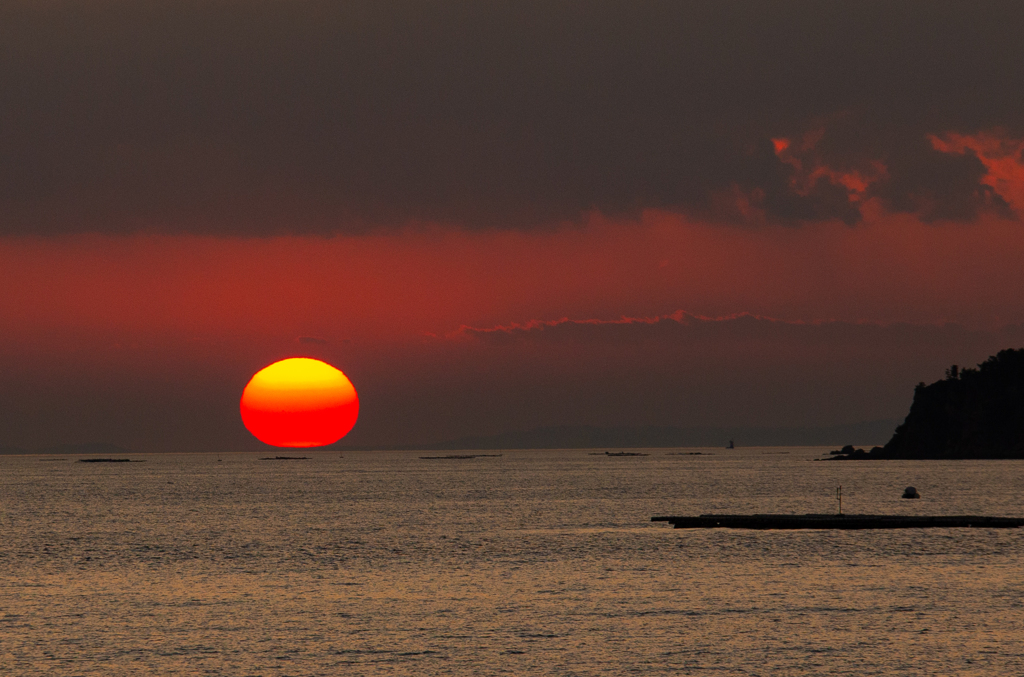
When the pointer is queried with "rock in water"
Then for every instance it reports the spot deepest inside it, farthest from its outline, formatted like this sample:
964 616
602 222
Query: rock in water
910 492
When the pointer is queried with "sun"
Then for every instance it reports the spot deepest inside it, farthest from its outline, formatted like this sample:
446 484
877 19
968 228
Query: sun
299 402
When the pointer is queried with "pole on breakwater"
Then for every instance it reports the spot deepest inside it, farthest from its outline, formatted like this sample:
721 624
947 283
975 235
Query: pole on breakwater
839 495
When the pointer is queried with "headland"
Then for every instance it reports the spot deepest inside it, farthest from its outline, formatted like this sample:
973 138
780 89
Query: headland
970 414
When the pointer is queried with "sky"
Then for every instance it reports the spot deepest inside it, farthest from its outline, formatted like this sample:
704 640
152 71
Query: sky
500 216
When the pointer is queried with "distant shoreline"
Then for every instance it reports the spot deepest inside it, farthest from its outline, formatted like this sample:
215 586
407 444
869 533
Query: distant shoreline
570 437
704 451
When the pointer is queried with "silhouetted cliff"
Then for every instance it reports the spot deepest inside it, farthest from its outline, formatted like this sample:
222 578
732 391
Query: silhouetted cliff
972 413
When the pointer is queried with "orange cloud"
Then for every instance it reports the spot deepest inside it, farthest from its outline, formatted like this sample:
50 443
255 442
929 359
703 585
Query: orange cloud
1001 155
809 168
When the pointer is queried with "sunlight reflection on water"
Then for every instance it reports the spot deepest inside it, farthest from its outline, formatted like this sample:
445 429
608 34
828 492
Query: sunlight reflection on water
528 563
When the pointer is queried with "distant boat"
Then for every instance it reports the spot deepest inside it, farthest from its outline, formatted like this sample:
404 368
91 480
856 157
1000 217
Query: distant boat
730 445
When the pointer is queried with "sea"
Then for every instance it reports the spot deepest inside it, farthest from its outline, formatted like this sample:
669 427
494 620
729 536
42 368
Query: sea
510 563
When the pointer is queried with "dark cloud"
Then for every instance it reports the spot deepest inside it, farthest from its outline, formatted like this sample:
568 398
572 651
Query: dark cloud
770 183
939 186
275 116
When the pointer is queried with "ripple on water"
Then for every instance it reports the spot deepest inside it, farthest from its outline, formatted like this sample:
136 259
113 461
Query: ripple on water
528 563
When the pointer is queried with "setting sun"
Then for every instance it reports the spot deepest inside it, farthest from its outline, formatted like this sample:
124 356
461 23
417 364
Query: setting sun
299 402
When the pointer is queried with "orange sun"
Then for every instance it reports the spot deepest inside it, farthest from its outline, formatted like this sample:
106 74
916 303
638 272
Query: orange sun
299 402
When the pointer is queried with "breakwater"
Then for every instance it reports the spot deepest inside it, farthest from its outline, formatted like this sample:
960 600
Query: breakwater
839 521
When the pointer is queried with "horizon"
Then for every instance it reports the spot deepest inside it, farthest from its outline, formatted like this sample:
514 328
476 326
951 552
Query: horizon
690 438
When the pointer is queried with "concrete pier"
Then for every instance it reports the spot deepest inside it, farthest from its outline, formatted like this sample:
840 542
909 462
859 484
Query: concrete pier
840 521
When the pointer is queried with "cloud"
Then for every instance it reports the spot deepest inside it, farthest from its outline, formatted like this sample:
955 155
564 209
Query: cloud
831 174
681 328
310 116
940 186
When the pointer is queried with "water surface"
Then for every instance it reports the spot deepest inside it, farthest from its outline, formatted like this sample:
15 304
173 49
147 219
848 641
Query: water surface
534 562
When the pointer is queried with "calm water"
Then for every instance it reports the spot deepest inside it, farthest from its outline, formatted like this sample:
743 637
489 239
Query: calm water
531 563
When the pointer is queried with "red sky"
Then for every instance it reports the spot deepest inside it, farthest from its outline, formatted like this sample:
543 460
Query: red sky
575 219
101 329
